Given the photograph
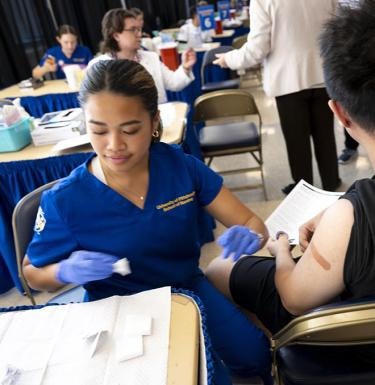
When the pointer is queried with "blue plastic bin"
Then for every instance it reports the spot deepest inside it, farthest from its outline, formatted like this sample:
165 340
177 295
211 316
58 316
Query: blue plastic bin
15 137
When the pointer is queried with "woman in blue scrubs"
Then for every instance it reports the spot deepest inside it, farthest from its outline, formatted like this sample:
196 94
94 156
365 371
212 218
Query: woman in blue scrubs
66 52
138 198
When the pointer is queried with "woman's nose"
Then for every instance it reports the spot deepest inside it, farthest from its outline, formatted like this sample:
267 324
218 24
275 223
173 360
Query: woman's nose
116 142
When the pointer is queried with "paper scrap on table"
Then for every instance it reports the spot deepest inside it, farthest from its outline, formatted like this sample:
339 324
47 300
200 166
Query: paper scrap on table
94 339
8 374
130 347
137 324
122 267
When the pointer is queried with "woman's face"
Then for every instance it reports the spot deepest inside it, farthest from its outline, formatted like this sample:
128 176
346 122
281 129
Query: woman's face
129 39
120 130
68 43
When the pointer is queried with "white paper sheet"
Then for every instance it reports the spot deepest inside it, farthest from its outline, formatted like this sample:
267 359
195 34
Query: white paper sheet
302 203
49 348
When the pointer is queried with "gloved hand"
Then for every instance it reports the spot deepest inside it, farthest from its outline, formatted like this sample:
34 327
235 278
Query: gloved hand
84 266
238 240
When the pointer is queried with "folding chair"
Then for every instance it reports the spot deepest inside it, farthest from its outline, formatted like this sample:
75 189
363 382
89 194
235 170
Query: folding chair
228 130
324 346
208 57
23 220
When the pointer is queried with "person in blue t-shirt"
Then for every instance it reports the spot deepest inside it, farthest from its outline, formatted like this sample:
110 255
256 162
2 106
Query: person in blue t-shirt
67 52
138 198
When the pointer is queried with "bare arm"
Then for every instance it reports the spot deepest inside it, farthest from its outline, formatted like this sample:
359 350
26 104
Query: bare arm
306 231
318 275
41 278
40 71
230 211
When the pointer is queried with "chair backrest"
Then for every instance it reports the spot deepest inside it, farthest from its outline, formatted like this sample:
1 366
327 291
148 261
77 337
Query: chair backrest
225 104
239 41
352 324
23 220
210 55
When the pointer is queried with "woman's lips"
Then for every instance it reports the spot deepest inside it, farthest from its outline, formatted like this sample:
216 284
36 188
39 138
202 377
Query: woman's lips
118 159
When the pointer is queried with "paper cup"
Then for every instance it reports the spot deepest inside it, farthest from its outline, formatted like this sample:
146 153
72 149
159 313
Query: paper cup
71 72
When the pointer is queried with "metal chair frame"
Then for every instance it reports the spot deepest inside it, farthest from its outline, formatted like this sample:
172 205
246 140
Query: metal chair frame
23 219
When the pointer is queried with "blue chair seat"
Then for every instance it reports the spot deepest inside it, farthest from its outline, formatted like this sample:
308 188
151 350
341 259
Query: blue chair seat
221 85
234 136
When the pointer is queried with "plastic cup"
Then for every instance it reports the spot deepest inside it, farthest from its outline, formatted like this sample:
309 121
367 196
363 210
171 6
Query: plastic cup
218 26
71 71
169 55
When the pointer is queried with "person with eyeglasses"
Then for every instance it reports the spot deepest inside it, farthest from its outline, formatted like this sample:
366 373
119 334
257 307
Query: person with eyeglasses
122 37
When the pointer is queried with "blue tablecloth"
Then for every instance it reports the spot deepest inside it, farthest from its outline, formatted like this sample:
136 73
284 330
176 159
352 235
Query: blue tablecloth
239 31
38 105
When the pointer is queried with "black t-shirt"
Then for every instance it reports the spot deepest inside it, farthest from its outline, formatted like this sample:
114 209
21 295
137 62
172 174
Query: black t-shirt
359 266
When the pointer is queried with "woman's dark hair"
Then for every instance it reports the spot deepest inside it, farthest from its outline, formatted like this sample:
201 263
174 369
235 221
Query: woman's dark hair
122 77
64 29
113 21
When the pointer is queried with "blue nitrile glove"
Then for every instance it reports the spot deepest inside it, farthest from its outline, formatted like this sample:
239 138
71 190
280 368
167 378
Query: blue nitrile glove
84 266
238 240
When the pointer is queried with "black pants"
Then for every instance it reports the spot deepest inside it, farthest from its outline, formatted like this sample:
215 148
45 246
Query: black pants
304 114
252 286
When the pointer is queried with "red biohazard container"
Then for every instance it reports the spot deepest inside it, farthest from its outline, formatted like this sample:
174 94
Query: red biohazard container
169 55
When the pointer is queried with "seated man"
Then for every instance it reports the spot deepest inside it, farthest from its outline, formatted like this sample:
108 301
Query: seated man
191 32
338 260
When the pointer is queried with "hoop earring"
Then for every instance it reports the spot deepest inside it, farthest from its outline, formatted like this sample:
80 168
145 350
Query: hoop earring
156 134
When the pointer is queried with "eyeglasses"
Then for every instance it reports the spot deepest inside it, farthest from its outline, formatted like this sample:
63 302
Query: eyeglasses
133 30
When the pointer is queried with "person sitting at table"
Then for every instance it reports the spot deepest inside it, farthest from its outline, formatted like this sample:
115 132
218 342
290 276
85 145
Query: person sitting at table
138 198
122 40
67 52
338 245
139 15
191 32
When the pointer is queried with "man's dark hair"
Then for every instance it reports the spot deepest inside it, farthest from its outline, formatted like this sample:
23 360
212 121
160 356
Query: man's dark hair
347 47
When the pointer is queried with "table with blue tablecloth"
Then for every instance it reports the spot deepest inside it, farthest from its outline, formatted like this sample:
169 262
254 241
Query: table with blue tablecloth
54 95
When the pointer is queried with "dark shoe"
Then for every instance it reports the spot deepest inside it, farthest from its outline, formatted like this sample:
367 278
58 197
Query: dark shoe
347 156
287 189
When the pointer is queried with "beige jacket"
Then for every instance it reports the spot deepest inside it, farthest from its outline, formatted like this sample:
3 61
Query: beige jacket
284 37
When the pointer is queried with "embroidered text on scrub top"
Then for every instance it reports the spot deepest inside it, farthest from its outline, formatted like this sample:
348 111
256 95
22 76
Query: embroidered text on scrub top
179 201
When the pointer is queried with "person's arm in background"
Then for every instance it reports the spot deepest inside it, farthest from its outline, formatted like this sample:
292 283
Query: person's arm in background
47 64
319 274
258 44
183 76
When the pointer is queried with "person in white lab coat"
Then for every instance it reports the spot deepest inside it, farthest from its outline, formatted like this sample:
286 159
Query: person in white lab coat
122 39
191 31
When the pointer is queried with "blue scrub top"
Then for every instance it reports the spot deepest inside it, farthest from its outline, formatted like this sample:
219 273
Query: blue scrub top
161 241
81 55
